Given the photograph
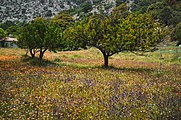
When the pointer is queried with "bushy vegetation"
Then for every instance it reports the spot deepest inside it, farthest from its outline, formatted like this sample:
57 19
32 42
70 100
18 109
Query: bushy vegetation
176 34
2 33
128 90
167 11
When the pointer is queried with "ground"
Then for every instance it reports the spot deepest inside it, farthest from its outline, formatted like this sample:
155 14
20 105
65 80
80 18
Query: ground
74 85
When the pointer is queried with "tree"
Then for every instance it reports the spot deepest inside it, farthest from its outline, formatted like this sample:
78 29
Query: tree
167 11
63 19
166 15
2 33
86 7
119 12
13 30
155 9
118 2
132 33
7 24
176 35
26 40
40 36
140 32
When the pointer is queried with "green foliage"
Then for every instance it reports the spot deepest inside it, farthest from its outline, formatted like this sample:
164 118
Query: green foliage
63 20
117 32
154 9
99 31
40 36
176 35
86 7
2 33
140 32
2 36
13 30
168 11
140 5
7 24
165 15
119 12
119 2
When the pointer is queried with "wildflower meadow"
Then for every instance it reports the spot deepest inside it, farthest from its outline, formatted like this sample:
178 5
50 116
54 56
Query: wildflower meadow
74 86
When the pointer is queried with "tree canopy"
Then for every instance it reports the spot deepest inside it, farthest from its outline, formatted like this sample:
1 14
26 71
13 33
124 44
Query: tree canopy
13 30
63 19
40 36
117 33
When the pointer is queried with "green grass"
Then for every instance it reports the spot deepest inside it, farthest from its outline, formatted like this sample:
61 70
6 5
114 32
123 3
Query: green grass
74 85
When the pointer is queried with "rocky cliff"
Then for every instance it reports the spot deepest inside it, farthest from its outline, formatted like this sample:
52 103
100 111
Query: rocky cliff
26 10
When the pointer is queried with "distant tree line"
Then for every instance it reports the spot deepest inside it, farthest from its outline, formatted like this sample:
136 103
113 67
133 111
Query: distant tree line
168 12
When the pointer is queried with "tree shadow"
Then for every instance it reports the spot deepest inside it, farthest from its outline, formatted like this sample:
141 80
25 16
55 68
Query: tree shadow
36 61
138 69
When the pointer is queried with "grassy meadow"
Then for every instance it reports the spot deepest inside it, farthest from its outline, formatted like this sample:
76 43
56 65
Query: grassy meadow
74 85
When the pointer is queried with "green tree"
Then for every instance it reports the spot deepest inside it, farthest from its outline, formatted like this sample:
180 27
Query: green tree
165 15
176 35
167 11
40 36
155 9
118 12
7 24
132 33
140 32
2 33
86 7
26 40
118 2
14 30
63 19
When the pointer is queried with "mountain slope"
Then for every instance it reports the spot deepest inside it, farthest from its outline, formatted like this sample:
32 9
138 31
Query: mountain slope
26 10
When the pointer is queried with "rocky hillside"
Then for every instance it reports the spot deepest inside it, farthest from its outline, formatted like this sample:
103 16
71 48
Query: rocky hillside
26 10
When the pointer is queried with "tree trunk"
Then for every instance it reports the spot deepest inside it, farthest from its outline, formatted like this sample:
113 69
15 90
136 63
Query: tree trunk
41 56
106 60
42 53
32 53
3 43
106 56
